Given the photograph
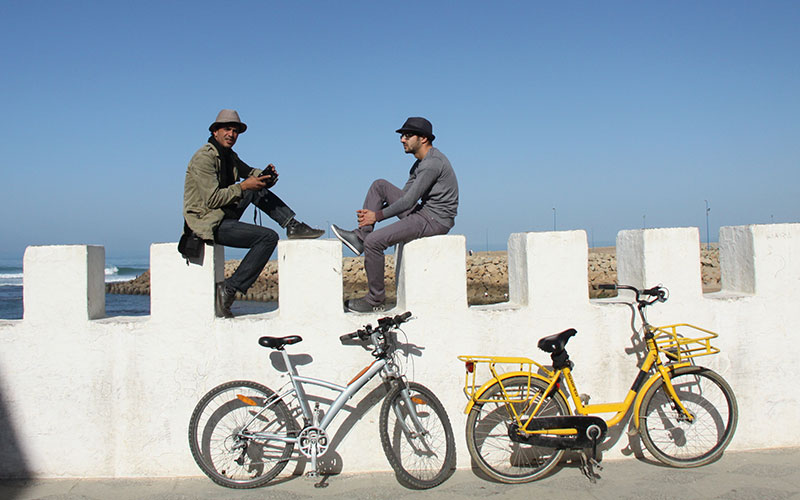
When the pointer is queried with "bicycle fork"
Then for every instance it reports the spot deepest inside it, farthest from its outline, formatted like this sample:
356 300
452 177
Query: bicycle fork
419 430
677 404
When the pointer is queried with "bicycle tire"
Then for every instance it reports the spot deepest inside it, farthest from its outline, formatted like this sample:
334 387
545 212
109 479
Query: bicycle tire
418 461
488 441
226 458
677 442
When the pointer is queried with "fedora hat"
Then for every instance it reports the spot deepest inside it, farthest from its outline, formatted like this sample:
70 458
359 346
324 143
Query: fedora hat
226 117
419 126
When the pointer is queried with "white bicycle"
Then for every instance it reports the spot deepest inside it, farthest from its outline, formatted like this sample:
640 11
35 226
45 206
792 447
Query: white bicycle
242 434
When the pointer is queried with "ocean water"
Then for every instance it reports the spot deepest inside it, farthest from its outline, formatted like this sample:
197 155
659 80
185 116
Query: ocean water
11 306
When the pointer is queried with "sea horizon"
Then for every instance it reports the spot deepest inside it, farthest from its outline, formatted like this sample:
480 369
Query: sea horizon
116 269
122 269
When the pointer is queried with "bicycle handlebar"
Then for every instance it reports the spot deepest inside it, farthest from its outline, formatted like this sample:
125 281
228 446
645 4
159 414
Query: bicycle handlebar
387 322
349 336
384 325
659 293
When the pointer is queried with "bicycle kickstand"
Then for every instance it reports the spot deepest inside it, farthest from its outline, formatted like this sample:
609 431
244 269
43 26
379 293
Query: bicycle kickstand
588 466
590 463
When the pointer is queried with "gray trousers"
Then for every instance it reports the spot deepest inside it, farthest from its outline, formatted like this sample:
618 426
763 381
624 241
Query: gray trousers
412 225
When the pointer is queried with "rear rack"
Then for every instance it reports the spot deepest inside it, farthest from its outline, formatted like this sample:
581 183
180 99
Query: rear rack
473 364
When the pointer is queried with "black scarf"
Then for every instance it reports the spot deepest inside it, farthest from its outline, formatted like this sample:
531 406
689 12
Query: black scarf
226 163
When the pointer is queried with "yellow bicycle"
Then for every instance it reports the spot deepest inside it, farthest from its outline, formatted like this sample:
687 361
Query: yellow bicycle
519 423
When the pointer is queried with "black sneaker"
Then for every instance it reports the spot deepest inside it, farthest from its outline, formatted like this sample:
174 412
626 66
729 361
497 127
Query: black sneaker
349 238
362 306
224 300
297 230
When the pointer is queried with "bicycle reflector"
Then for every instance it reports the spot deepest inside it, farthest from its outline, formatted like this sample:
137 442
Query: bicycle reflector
418 400
470 365
244 399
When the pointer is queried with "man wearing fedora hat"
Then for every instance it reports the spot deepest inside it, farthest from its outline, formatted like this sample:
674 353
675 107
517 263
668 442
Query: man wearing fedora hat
427 206
214 200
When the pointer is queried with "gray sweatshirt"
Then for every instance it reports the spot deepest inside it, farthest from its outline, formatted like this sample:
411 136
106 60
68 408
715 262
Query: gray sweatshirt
433 183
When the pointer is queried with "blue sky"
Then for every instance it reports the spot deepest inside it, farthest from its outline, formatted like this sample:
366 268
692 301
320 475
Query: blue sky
615 114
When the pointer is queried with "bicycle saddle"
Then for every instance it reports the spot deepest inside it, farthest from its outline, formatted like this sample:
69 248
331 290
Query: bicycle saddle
279 342
556 343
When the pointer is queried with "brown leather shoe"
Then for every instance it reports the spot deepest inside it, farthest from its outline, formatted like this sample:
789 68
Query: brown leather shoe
223 301
297 230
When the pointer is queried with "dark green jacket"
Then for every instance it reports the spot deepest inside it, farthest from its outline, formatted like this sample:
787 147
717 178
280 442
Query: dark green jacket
203 199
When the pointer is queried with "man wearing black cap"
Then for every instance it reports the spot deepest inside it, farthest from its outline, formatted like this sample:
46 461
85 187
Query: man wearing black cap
214 200
427 205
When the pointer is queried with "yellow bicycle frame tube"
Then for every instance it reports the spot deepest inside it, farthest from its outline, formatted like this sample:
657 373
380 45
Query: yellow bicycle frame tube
671 390
635 396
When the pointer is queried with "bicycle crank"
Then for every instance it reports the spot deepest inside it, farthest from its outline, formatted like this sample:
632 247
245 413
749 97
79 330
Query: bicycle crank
313 442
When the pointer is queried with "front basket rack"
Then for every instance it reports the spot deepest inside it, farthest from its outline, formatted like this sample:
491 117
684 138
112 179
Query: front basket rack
682 341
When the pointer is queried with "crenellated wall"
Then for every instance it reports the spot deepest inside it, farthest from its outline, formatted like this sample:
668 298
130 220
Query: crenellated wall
86 396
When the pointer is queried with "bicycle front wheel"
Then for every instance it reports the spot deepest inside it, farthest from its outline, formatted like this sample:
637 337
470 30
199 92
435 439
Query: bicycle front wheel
488 424
240 435
417 437
667 432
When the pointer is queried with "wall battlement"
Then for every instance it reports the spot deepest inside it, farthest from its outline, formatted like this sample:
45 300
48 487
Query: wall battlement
113 396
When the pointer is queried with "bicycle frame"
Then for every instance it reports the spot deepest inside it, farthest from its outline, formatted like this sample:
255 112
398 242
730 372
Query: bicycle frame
297 381
644 380
620 409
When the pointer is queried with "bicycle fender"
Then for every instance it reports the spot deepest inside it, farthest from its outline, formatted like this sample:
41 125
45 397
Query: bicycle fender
637 405
502 377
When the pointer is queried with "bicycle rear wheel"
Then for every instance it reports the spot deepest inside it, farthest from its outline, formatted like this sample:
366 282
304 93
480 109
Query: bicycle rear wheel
222 434
488 423
668 434
422 457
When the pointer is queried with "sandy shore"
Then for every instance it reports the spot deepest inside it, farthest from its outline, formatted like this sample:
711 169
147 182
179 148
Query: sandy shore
487 276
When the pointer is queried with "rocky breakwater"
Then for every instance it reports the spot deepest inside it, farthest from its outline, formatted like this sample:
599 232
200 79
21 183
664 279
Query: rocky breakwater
487 276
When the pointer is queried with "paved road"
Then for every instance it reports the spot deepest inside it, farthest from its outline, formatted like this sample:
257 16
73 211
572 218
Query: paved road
752 475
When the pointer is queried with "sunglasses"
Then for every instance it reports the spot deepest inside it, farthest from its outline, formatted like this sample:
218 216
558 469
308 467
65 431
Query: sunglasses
407 135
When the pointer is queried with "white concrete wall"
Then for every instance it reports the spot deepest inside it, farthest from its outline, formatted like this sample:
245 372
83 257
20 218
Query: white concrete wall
83 396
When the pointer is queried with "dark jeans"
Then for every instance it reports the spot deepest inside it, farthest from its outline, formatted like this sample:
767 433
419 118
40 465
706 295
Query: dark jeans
260 240
412 225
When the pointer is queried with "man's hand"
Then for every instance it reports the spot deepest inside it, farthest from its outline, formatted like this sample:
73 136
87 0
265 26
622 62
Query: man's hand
267 179
365 217
253 184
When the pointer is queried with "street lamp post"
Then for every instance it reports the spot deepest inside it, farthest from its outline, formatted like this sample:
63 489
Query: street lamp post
708 240
554 218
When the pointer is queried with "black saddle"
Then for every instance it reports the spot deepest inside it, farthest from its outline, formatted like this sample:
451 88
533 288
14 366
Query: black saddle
279 342
556 343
